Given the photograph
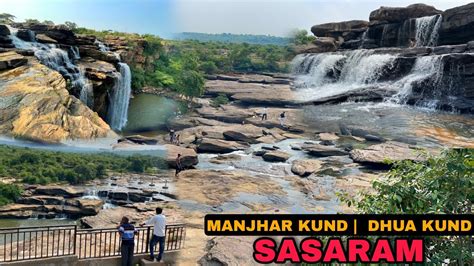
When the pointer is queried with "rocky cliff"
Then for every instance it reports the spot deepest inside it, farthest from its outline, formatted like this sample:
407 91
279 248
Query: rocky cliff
35 104
413 55
90 70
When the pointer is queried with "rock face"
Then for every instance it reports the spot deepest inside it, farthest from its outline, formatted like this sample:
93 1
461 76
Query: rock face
339 32
305 167
389 151
399 14
457 25
10 60
35 104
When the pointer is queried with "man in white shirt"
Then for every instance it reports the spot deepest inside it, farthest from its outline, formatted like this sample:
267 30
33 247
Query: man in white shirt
159 227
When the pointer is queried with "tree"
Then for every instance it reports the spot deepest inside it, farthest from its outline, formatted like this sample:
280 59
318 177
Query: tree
70 25
190 83
6 18
301 37
32 21
441 185
48 22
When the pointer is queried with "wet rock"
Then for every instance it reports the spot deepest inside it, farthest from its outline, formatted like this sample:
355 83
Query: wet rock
118 195
259 153
231 251
225 158
220 146
305 167
323 151
4 30
26 35
388 152
327 142
41 200
188 159
92 51
457 24
64 191
42 38
138 196
276 156
11 60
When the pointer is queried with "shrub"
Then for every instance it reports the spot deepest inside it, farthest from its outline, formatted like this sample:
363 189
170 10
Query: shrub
221 99
9 193
441 185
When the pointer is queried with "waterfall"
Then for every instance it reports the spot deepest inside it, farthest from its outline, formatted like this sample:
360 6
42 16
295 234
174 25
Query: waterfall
58 59
428 69
427 29
119 98
334 73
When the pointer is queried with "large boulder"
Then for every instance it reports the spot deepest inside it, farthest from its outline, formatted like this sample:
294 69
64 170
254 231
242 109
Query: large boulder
305 167
60 33
230 251
386 153
95 53
457 25
35 104
4 30
275 156
188 156
399 14
323 151
341 31
64 191
220 146
10 60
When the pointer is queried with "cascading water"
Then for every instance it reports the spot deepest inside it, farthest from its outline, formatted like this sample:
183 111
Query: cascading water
58 59
119 98
427 29
328 74
427 69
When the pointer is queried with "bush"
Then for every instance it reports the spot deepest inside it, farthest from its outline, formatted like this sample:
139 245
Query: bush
441 185
9 193
221 99
42 167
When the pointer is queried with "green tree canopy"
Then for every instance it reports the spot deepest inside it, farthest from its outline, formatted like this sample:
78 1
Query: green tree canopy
6 18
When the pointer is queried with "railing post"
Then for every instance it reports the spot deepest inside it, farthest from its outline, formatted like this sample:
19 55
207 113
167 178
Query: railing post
74 241
147 241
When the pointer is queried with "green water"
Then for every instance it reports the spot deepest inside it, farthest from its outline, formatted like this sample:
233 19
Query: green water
8 223
148 113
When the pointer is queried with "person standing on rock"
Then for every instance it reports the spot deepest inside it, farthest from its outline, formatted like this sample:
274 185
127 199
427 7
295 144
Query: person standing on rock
127 234
179 166
264 113
282 119
159 233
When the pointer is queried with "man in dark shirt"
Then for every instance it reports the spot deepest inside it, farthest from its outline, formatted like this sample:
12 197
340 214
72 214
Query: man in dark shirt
178 165
127 234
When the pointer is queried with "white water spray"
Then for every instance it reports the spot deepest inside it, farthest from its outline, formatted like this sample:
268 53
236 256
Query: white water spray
119 98
427 30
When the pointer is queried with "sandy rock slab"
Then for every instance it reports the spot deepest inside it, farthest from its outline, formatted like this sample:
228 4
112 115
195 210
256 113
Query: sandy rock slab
35 104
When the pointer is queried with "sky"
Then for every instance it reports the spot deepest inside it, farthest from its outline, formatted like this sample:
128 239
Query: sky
165 17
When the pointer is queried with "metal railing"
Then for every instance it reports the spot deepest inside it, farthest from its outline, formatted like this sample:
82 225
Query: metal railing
29 243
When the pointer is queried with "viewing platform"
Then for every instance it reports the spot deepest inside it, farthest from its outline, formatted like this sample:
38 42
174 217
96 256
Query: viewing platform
69 245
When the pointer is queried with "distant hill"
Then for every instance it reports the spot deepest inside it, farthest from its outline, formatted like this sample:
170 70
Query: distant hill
233 38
